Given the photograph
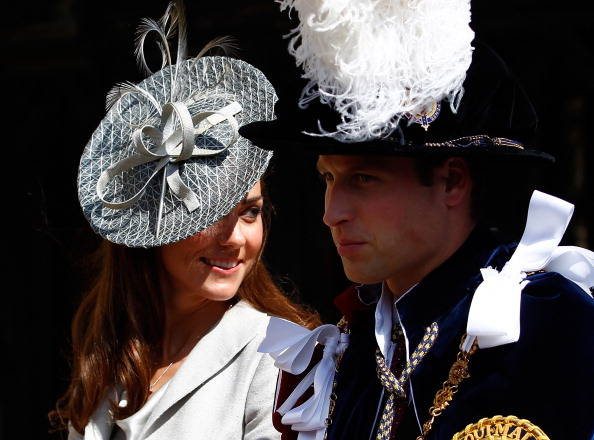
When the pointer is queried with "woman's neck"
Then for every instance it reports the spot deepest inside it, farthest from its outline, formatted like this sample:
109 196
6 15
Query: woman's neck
187 320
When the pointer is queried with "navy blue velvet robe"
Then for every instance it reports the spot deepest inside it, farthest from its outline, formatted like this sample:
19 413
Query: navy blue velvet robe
546 377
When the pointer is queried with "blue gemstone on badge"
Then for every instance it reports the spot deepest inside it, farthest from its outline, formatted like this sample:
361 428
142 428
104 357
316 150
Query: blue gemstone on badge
427 117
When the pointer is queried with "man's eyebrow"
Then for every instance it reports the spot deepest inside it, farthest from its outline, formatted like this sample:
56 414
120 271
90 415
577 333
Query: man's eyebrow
247 201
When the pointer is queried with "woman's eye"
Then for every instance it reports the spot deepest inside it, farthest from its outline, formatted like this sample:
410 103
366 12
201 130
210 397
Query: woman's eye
252 213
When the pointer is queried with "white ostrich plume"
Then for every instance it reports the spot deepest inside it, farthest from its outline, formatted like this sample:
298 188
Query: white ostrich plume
377 60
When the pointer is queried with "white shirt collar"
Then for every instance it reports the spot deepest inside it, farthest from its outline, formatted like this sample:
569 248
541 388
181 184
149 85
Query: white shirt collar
384 311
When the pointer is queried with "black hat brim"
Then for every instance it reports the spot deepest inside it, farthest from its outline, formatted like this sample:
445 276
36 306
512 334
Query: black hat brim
280 136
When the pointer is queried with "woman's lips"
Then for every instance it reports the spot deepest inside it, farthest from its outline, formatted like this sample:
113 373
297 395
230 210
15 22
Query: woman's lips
225 267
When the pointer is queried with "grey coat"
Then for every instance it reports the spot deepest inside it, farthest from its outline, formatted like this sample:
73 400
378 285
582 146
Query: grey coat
223 390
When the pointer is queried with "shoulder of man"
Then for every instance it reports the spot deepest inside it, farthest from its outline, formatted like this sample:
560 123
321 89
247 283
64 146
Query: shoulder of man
549 292
555 308
546 376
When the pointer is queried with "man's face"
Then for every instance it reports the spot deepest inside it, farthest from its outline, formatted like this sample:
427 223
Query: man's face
385 224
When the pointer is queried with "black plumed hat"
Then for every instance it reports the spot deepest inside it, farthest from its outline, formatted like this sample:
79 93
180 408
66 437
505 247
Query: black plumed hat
495 119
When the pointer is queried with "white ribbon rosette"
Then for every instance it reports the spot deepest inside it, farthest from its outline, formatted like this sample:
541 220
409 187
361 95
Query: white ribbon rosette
292 347
494 316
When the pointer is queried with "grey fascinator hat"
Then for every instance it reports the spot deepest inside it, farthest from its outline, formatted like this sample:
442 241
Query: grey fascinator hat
167 160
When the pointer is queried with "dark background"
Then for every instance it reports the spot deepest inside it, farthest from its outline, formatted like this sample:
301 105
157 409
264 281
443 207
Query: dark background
58 60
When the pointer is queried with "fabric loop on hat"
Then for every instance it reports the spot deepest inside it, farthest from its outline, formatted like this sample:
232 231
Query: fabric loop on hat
174 144
186 131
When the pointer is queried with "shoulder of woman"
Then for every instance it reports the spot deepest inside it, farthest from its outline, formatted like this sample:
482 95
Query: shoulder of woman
247 309
251 317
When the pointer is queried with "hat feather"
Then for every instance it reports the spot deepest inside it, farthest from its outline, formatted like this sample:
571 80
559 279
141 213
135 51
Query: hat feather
376 60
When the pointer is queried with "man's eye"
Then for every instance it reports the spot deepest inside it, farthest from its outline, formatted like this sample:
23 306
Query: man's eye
362 178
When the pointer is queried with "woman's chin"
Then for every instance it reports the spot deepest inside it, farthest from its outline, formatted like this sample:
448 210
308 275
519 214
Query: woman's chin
219 291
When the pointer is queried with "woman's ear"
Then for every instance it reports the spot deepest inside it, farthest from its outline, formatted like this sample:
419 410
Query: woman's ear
455 179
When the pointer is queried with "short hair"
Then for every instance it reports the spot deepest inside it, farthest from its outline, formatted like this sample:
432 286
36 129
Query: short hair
500 192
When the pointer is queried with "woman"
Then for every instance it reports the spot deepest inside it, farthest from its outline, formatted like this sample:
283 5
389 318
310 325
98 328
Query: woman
165 343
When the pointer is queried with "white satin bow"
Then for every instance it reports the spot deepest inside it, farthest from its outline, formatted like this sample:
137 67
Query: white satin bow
494 316
292 347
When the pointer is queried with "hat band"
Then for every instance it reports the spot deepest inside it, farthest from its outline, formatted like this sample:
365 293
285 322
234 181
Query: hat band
477 140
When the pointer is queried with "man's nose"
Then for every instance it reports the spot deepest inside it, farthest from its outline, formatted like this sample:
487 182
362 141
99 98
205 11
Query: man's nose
337 208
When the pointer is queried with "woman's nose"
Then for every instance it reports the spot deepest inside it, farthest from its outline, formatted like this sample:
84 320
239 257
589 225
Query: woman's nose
232 234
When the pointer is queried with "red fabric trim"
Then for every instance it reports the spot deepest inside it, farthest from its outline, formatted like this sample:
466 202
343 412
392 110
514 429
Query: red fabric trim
348 303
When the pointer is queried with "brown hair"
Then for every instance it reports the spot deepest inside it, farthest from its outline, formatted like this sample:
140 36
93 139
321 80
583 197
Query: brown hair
117 330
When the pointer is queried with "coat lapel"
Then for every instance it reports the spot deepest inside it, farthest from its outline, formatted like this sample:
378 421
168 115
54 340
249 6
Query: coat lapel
101 422
238 326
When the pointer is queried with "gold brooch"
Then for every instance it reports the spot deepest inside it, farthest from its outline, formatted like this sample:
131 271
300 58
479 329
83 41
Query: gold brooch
426 117
501 428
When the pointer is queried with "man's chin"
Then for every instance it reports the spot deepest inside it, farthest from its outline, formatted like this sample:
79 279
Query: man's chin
360 275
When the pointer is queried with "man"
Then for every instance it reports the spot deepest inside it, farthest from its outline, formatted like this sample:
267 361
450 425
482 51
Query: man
451 333
386 224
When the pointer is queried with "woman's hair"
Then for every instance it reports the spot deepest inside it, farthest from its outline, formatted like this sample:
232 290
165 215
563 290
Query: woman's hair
117 329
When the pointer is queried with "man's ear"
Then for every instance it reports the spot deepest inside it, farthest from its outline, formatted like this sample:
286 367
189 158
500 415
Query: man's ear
454 177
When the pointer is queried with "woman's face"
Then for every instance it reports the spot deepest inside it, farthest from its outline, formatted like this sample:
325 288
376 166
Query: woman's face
213 263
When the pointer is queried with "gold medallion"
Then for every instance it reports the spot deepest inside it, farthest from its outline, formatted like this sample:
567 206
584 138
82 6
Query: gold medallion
501 428
426 117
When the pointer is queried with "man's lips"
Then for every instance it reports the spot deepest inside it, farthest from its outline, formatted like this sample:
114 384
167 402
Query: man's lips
349 247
